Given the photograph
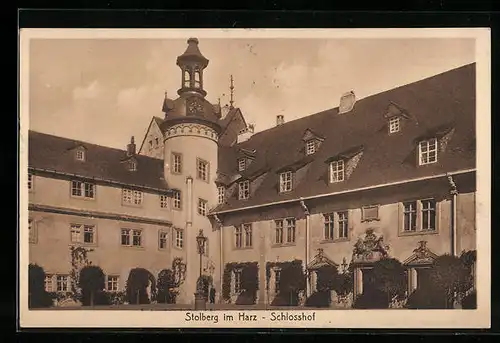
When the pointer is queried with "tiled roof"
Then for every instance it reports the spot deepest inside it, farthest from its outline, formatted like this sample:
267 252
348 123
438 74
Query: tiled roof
54 153
437 106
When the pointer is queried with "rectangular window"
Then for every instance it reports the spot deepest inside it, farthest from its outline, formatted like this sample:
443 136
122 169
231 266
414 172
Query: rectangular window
131 197
428 215
130 237
202 168
343 224
177 200
30 181
277 280
162 240
428 151
136 238
179 238
410 216
337 171
290 230
163 201
83 233
310 147
48 283
202 207
112 283
237 281
329 226
125 237
82 189
238 237
242 164
286 181
80 155
176 163
62 283
369 213
279 231
150 145
394 125
220 194
244 190
248 235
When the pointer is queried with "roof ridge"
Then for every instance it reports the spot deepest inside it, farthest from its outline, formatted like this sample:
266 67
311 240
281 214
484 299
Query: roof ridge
76 141
469 65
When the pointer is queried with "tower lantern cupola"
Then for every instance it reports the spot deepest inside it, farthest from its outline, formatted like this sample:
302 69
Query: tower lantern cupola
192 64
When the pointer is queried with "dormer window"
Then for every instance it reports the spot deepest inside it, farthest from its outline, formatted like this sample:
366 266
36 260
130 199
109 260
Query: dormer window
286 181
310 147
133 166
337 171
244 190
80 155
242 164
394 125
427 151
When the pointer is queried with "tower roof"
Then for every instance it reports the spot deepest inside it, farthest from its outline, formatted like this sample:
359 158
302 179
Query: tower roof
192 54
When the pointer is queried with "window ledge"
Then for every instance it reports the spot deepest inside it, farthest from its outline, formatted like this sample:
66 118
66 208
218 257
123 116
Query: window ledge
284 245
370 220
131 205
133 247
243 248
336 240
178 248
82 198
85 245
418 233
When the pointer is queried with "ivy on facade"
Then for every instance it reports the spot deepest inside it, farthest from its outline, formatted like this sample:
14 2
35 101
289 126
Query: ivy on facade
79 259
292 274
249 278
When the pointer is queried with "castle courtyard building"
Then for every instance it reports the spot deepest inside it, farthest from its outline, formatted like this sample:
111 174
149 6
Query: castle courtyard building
389 175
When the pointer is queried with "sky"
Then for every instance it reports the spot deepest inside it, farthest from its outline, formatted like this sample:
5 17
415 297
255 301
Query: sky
104 91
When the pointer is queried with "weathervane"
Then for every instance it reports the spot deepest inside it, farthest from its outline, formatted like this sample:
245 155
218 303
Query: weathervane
231 101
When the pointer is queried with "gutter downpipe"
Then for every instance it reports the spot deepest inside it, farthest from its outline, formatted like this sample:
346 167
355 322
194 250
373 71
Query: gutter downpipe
307 240
453 193
221 256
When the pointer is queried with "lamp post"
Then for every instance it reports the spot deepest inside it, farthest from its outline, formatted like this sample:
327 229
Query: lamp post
199 297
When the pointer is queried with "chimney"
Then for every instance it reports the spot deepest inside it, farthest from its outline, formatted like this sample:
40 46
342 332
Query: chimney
131 147
280 120
347 102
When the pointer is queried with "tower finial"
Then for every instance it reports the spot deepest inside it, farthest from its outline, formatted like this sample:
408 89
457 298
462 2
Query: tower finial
231 101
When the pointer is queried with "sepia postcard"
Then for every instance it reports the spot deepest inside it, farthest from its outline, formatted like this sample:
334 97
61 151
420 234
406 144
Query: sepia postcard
254 178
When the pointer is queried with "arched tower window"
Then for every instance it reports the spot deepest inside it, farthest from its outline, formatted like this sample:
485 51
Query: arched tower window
197 78
187 78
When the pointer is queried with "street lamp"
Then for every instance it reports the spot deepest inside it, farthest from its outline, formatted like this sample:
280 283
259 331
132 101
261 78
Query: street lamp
199 297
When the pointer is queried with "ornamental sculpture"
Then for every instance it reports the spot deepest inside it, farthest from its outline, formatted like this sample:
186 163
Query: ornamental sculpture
370 248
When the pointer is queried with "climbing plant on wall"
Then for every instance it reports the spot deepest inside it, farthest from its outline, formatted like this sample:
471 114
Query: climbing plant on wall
292 280
249 279
79 259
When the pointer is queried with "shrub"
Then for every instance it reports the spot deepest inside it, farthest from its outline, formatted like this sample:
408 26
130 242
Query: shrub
203 284
137 283
426 298
37 296
328 278
469 302
448 273
166 287
91 282
319 299
371 299
388 276
292 281
249 281
246 298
